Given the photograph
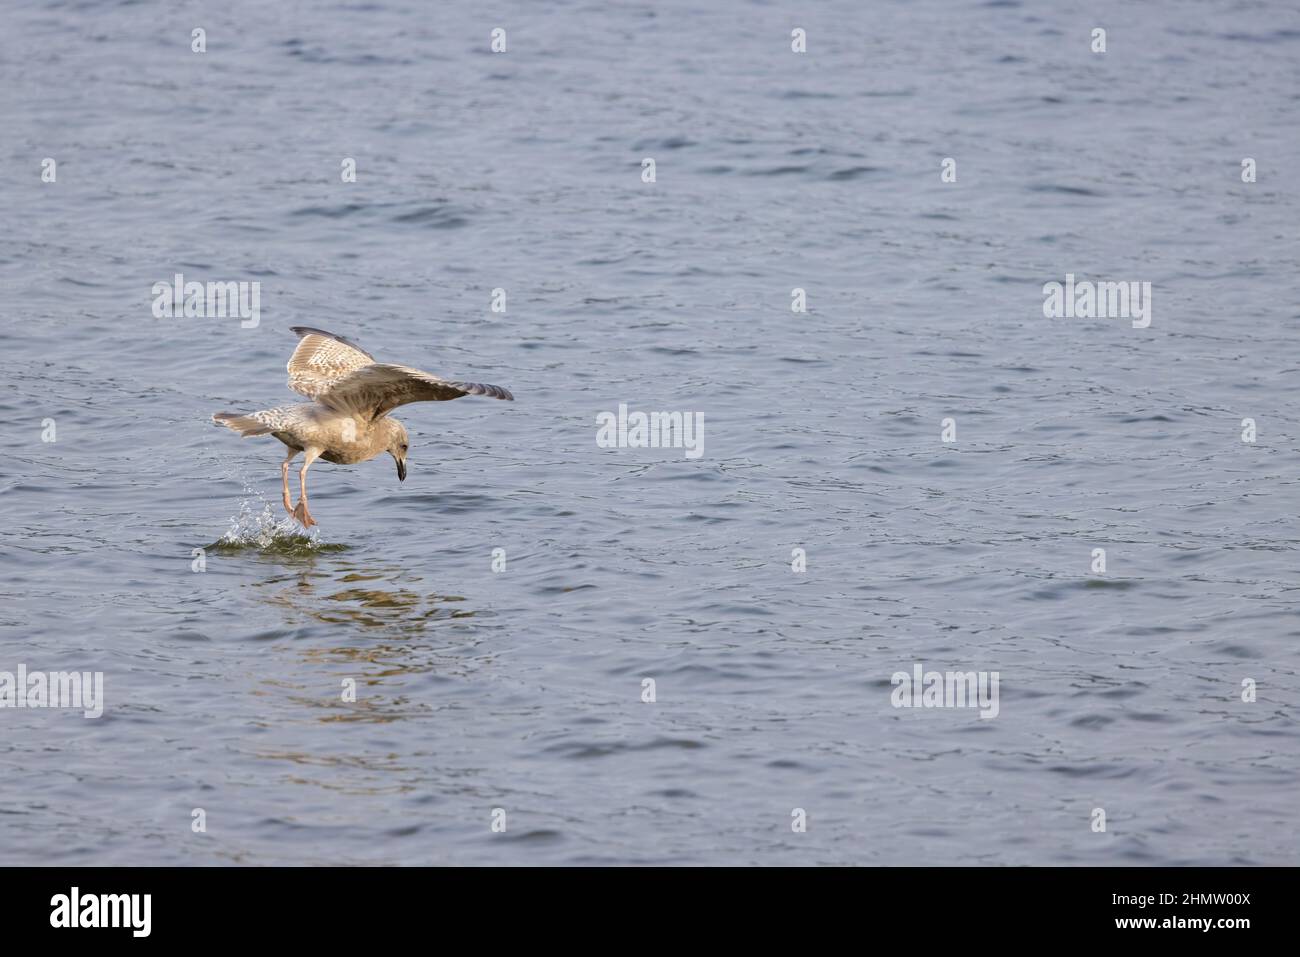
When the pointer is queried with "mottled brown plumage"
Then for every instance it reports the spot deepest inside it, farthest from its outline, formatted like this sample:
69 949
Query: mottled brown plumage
348 420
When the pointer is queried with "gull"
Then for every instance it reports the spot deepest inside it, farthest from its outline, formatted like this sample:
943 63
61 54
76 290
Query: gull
347 420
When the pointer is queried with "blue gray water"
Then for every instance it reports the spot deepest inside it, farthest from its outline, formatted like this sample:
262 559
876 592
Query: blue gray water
521 689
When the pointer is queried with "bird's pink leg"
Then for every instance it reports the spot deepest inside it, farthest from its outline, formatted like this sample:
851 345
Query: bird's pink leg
300 511
284 479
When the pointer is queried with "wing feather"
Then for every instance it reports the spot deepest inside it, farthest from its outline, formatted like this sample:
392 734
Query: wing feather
379 387
321 360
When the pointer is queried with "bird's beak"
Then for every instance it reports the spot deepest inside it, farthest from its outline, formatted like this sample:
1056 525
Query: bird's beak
401 470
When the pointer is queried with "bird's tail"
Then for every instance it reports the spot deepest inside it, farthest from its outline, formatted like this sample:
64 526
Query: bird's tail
245 425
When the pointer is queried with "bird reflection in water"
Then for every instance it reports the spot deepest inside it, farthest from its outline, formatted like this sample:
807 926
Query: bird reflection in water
382 631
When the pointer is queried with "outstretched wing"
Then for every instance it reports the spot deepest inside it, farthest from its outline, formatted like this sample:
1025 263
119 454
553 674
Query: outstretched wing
321 360
378 387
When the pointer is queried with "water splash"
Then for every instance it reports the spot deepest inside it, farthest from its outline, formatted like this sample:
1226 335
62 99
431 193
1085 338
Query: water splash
262 527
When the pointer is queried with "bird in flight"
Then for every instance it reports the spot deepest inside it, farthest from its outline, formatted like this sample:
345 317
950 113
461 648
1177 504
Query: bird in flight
347 420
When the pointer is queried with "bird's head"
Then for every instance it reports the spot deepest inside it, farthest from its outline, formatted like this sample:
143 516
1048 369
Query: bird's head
398 442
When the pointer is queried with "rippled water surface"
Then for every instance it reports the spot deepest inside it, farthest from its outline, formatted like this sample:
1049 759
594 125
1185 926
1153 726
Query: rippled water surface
522 689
